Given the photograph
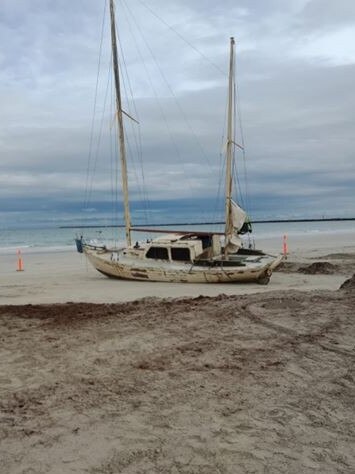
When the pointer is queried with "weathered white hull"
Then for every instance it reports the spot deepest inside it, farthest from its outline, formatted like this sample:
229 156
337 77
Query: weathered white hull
255 269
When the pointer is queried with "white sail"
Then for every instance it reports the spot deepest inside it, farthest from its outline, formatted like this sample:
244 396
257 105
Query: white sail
238 217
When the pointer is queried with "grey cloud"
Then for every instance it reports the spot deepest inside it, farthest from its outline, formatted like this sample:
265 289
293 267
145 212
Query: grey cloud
297 110
327 14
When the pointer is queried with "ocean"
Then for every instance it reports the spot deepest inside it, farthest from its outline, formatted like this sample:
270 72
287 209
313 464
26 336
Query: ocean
47 234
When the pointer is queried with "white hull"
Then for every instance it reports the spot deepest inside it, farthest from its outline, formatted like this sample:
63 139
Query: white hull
254 269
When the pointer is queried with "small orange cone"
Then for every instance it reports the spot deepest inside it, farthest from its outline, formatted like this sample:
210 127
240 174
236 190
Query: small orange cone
19 262
284 246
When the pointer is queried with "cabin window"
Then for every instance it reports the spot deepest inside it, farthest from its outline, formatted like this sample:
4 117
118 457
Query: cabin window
206 241
158 252
180 254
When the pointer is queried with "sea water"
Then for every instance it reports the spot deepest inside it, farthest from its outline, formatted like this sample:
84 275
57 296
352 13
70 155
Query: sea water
49 236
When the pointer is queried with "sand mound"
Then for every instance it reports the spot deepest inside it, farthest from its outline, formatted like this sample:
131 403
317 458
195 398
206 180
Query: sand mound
323 268
288 267
348 284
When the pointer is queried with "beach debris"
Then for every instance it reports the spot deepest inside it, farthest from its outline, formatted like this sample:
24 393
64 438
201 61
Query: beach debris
321 268
348 284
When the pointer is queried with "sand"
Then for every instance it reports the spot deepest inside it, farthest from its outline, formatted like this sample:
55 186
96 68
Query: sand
59 277
233 384
243 382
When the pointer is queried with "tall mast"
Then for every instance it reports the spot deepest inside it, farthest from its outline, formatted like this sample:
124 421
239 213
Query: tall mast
230 142
120 125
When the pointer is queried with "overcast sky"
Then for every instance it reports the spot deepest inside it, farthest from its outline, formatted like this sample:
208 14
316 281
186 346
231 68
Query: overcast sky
296 76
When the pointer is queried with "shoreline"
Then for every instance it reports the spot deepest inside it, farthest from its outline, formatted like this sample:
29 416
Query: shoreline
273 240
270 221
66 276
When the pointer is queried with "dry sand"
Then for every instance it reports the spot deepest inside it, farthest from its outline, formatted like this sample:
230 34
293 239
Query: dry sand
233 384
237 383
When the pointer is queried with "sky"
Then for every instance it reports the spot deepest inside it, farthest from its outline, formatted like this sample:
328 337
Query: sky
295 72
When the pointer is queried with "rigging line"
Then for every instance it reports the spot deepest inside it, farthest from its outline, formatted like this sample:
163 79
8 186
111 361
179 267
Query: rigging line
183 39
137 139
100 133
219 193
86 200
239 199
222 155
118 190
115 162
222 162
222 165
124 76
222 159
138 49
238 192
139 144
123 69
181 110
130 152
136 134
116 154
236 172
237 98
163 115
145 200
216 212
112 163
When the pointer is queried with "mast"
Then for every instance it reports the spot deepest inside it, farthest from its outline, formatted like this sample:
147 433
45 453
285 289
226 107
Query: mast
230 142
120 125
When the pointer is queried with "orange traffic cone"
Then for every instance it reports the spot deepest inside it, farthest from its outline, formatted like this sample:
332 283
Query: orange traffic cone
284 246
19 262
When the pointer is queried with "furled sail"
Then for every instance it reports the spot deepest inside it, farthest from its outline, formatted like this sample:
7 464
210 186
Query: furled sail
238 217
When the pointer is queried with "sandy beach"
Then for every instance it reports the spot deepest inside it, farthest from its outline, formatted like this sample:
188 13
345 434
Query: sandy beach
179 378
59 277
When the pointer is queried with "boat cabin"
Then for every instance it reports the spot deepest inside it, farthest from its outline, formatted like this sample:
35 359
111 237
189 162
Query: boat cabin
186 247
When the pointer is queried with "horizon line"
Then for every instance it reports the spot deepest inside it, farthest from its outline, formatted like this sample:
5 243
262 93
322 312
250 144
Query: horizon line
268 221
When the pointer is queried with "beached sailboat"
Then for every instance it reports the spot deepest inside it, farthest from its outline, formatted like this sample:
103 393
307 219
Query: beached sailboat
182 256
